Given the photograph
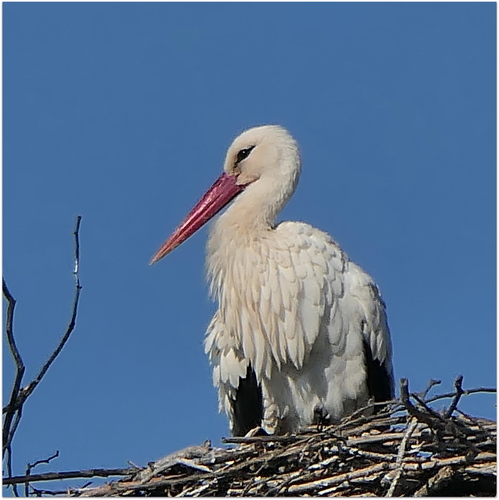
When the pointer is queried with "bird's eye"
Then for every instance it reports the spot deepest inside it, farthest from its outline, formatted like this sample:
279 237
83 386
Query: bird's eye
243 154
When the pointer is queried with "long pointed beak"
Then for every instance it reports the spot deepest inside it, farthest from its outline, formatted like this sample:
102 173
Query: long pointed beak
220 193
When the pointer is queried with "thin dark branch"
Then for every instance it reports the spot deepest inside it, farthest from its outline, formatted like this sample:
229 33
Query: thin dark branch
406 401
72 322
8 460
20 369
458 384
30 467
74 474
9 324
430 410
466 392
17 418
432 383
260 439
13 410
54 493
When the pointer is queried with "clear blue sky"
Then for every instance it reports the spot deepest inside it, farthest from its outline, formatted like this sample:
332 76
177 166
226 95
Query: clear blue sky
122 113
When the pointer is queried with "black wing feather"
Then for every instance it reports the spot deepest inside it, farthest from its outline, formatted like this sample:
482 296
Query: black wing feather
248 405
379 380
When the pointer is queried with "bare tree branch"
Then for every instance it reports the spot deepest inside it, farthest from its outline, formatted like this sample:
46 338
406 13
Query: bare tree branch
73 474
10 423
13 410
432 383
8 459
30 467
406 401
466 392
400 456
458 384
28 390
40 493
20 368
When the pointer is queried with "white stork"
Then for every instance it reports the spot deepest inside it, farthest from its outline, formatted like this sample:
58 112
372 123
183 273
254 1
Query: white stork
301 331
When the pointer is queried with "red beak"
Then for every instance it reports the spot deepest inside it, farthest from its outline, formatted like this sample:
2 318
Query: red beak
222 192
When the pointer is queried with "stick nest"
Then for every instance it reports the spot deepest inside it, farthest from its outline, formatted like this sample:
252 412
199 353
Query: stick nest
405 448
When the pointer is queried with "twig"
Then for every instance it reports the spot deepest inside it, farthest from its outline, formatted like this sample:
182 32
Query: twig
72 322
73 474
13 410
466 392
411 409
11 419
283 486
337 478
400 456
30 467
7 435
54 493
479 424
189 453
8 452
429 410
458 384
194 492
362 414
432 383
260 439
443 476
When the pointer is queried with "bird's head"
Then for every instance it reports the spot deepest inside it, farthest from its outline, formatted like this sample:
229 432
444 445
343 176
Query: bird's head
269 153
262 167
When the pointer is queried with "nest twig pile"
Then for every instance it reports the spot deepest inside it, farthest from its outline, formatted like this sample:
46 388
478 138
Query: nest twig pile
405 448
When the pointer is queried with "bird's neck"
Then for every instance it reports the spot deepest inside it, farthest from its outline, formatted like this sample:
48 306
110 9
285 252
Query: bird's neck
242 235
236 230
255 209
234 237
245 222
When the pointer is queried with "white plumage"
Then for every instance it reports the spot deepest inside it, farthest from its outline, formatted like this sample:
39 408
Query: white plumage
301 330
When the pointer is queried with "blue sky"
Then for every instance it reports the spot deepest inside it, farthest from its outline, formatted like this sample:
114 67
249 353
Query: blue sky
122 113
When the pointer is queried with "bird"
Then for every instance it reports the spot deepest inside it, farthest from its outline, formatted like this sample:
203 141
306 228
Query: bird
301 333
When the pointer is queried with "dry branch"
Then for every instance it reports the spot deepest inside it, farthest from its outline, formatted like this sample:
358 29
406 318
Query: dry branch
73 474
20 369
12 412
